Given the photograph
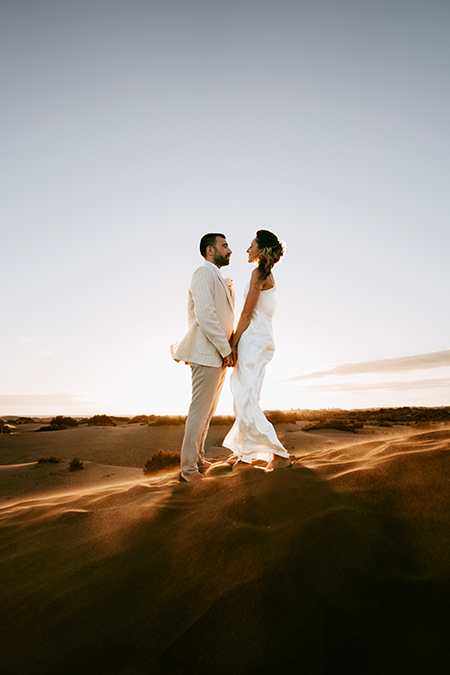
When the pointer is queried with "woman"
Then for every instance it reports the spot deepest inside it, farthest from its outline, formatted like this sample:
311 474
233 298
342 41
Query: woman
252 435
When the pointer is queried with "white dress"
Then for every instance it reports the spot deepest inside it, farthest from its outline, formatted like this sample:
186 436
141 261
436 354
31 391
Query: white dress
252 436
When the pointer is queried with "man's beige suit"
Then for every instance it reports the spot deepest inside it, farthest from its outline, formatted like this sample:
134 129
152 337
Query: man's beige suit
210 318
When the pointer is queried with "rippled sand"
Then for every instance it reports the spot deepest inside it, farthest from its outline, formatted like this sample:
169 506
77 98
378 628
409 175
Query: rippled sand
340 564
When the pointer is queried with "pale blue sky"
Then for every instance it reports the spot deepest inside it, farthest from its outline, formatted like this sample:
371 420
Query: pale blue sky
129 129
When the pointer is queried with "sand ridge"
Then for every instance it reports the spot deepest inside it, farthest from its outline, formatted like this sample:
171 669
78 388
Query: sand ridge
340 564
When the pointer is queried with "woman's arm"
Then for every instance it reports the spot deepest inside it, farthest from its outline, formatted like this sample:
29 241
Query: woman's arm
249 306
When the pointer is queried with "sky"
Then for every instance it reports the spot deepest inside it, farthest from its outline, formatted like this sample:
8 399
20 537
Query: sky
131 128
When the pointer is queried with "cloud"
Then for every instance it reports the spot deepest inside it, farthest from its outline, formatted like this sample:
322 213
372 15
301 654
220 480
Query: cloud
398 385
394 365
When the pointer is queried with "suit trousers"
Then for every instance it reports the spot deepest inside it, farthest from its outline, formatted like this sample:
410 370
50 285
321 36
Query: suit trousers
207 383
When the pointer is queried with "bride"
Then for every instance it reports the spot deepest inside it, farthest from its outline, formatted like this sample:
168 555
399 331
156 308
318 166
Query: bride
252 435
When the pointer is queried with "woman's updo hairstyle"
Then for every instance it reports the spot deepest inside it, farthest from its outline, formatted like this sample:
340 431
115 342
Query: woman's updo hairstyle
271 251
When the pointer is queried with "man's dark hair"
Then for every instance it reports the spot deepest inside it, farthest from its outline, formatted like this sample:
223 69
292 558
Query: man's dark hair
209 240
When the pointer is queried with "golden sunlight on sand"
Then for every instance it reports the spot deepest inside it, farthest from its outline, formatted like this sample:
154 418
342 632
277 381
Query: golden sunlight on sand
338 565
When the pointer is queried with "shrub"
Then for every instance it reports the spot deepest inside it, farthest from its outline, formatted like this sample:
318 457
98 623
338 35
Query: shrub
22 420
5 427
60 421
166 420
340 425
75 465
139 419
51 460
282 416
101 421
227 420
162 460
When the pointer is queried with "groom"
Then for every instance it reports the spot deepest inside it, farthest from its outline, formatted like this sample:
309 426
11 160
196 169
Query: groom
206 349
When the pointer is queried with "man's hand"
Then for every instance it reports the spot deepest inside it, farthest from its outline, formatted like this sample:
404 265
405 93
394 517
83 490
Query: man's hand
228 360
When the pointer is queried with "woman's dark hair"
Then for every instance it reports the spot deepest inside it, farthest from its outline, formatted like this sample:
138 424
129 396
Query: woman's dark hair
271 251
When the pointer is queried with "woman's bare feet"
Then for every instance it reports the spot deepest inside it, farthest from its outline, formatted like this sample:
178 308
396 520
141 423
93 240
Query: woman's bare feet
241 465
278 462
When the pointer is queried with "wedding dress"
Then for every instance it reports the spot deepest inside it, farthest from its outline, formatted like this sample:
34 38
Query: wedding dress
252 436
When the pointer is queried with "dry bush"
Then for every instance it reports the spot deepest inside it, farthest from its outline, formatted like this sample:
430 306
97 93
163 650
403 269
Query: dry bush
60 420
384 417
22 420
58 423
227 420
166 420
5 427
120 419
139 419
75 464
162 460
282 416
51 460
340 425
101 421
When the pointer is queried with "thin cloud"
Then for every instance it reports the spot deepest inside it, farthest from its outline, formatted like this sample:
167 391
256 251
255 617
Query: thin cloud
348 388
394 365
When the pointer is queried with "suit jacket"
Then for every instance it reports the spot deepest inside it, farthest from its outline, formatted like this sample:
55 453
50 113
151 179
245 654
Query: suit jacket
210 318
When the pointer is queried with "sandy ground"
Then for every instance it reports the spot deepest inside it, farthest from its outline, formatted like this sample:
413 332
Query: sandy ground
340 564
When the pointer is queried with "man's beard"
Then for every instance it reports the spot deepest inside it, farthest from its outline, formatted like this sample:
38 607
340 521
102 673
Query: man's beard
221 260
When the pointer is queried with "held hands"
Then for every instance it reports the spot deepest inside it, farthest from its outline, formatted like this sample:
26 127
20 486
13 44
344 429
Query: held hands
231 359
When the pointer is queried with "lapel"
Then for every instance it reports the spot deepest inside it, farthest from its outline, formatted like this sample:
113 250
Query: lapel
227 290
222 281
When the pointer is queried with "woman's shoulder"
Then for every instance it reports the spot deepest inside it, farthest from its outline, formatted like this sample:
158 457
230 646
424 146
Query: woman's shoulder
268 283
263 285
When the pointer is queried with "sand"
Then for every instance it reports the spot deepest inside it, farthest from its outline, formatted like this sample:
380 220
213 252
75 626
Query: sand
338 565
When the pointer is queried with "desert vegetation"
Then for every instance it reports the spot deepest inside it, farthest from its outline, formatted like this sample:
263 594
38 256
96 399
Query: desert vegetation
101 421
340 425
139 419
166 420
51 459
329 418
175 420
75 464
356 419
22 420
226 420
160 461
60 422
284 416
5 427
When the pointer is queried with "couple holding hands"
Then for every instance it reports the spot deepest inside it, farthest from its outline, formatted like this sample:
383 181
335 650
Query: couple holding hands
210 346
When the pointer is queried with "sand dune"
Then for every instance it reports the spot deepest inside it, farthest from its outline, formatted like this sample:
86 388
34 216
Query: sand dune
338 565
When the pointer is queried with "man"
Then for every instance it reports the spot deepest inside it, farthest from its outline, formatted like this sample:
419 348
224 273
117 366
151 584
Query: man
206 348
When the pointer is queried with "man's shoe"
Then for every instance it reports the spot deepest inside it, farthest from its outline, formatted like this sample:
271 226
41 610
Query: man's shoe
190 477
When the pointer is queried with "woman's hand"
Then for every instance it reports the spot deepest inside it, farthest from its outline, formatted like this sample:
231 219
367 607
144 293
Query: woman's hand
234 351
